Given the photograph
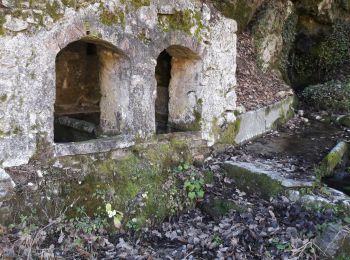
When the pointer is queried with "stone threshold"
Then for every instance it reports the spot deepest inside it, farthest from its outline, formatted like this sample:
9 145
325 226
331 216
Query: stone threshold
251 177
108 144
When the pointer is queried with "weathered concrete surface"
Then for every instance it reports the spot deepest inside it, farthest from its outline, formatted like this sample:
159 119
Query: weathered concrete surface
255 178
31 41
258 122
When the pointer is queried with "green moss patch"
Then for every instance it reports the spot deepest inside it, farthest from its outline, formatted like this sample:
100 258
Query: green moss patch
110 18
139 3
183 20
2 21
333 159
52 10
226 135
143 184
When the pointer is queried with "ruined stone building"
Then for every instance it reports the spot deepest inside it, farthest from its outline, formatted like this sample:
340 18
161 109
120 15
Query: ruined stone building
84 77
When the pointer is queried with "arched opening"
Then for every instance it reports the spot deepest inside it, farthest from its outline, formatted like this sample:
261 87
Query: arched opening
177 106
163 77
89 78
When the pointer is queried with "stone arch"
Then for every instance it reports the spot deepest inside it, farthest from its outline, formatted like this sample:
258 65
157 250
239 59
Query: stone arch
177 105
92 78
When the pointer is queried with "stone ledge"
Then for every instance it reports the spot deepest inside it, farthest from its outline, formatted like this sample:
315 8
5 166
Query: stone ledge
93 146
102 145
253 178
257 122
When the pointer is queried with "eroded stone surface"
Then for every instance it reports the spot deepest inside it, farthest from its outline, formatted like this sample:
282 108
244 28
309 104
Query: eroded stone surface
6 185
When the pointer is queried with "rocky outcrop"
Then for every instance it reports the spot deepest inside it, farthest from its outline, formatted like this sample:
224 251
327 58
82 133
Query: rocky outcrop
241 10
268 29
304 42
320 52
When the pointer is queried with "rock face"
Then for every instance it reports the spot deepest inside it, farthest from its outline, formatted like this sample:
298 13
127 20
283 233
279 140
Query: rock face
268 30
126 38
6 185
320 51
241 10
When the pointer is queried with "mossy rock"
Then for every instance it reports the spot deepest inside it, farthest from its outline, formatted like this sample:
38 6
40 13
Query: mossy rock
332 96
252 181
318 58
217 207
333 159
227 134
184 20
141 184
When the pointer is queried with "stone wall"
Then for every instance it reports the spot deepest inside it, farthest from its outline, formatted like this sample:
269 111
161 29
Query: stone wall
33 34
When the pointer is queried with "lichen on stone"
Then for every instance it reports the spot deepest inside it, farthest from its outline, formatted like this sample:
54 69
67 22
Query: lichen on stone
184 20
139 3
53 10
110 18
227 134
2 21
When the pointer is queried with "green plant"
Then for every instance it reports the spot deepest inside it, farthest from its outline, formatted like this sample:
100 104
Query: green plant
184 166
217 240
332 95
116 215
194 188
134 225
281 245
347 220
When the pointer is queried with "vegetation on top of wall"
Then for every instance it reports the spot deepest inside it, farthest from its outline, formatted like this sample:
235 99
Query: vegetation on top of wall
333 95
139 3
241 10
109 18
184 20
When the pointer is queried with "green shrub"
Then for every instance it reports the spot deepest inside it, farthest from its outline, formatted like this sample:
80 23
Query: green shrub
332 95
